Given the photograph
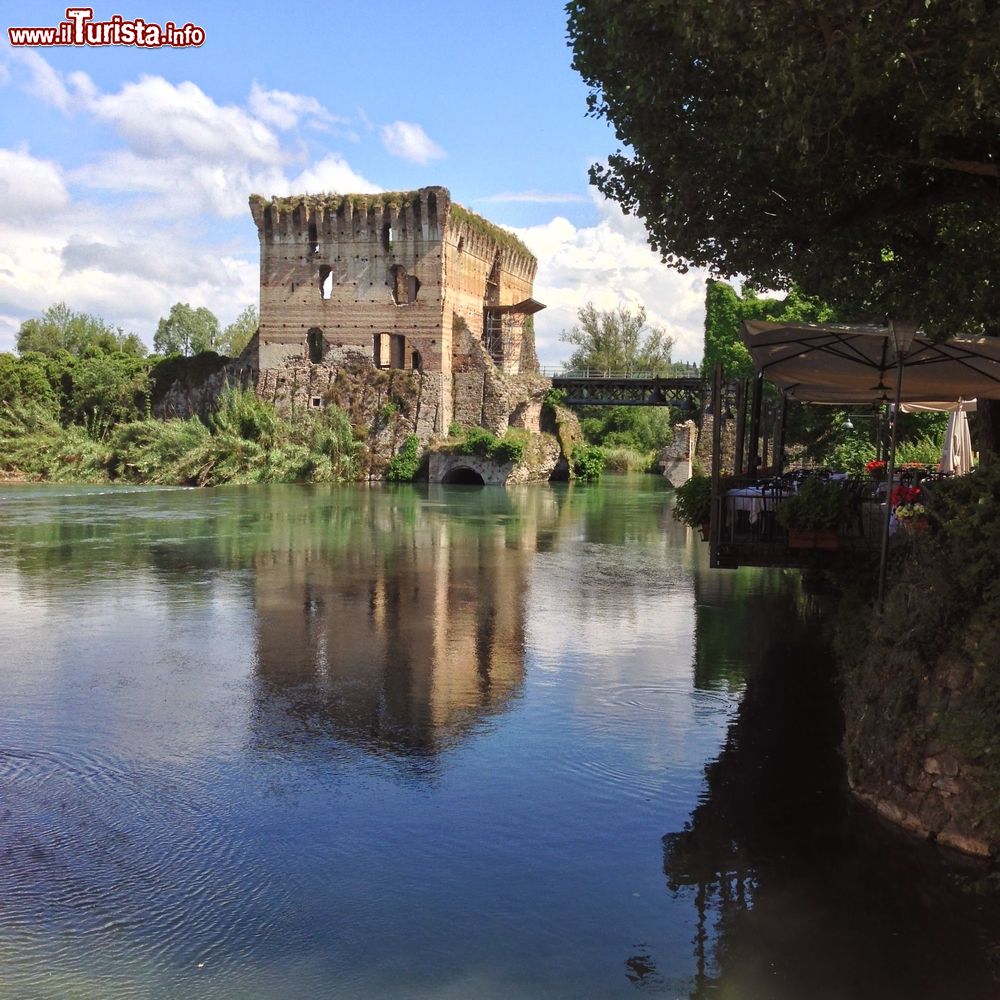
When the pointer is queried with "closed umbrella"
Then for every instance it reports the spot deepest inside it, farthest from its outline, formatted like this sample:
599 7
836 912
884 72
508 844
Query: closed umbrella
957 453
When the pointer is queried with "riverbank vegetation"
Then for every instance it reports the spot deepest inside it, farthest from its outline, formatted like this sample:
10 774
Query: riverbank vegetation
244 441
76 405
921 677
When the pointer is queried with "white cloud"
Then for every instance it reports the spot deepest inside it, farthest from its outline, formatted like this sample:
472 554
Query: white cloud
610 264
160 119
533 197
4 79
285 110
170 265
29 186
329 174
409 141
42 81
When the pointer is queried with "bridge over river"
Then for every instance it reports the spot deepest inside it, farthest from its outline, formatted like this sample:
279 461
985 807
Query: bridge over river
590 387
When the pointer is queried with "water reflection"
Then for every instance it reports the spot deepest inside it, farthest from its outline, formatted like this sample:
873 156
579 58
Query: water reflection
798 892
404 646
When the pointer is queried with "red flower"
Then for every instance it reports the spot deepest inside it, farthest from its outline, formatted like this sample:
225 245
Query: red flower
904 494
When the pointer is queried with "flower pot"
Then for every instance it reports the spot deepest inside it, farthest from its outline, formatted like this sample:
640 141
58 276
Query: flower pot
800 538
803 538
913 525
826 539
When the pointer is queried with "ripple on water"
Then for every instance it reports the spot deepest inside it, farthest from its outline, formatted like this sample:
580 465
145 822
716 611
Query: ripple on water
144 869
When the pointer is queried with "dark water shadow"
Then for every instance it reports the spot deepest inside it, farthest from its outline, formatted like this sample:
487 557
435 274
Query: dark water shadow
798 891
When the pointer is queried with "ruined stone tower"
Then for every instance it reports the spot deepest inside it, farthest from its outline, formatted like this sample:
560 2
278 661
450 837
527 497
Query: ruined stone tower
407 280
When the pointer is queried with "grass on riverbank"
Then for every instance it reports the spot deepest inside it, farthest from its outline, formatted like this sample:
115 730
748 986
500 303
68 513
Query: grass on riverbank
245 441
623 459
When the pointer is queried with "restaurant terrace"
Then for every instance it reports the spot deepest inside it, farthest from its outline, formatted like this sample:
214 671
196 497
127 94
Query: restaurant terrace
767 515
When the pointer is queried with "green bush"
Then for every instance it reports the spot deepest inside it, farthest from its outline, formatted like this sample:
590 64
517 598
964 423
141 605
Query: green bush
404 464
555 397
693 501
479 441
816 506
939 617
924 450
34 444
587 462
642 428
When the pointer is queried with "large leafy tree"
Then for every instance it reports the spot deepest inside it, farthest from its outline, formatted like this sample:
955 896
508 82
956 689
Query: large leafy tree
237 335
60 328
617 340
725 311
187 331
852 148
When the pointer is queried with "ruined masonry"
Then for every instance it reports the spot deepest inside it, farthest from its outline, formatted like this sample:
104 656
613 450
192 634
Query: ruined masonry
404 282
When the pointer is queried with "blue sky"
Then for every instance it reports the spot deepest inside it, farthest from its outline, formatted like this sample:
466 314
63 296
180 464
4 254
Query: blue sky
125 172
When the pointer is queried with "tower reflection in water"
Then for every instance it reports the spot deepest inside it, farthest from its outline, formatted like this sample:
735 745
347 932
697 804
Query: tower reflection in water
401 648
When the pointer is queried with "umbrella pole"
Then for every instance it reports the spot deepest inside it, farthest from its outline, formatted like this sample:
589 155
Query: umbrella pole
889 472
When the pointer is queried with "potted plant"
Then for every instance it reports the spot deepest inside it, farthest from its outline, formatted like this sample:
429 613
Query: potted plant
693 503
812 516
912 518
876 469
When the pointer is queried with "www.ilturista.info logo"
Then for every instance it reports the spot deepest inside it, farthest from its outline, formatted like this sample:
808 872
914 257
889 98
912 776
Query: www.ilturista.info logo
80 28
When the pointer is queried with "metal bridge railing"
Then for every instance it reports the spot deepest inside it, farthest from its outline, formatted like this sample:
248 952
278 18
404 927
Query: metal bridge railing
595 373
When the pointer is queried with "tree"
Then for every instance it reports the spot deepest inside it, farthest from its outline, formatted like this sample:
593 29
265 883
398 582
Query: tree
850 148
618 341
237 335
725 312
187 331
25 381
108 389
59 328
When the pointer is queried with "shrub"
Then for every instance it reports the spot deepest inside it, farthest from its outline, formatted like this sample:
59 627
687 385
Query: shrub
816 506
693 501
555 397
587 461
479 441
404 464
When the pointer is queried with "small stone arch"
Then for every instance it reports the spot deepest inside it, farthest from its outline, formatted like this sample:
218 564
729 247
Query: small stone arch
462 475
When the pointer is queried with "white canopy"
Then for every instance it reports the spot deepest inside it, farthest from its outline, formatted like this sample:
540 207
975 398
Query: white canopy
840 363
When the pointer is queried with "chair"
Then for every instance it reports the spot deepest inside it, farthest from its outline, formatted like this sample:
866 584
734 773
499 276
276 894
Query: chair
771 496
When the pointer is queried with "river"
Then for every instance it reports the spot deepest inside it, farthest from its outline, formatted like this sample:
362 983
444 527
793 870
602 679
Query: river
433 742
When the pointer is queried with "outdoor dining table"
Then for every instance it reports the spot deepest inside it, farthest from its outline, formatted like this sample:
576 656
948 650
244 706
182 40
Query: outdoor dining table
749 499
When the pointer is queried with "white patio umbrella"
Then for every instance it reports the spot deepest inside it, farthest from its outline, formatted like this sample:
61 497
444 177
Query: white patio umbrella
956 455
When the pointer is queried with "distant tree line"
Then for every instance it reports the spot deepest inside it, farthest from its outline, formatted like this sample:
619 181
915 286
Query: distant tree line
82 370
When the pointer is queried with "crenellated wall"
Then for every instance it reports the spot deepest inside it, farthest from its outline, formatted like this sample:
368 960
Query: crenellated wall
359 271
393 274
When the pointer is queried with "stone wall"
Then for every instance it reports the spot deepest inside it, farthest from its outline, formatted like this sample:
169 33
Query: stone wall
389 274
905 760
540 463
675 459
485 396
195 390
703 446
